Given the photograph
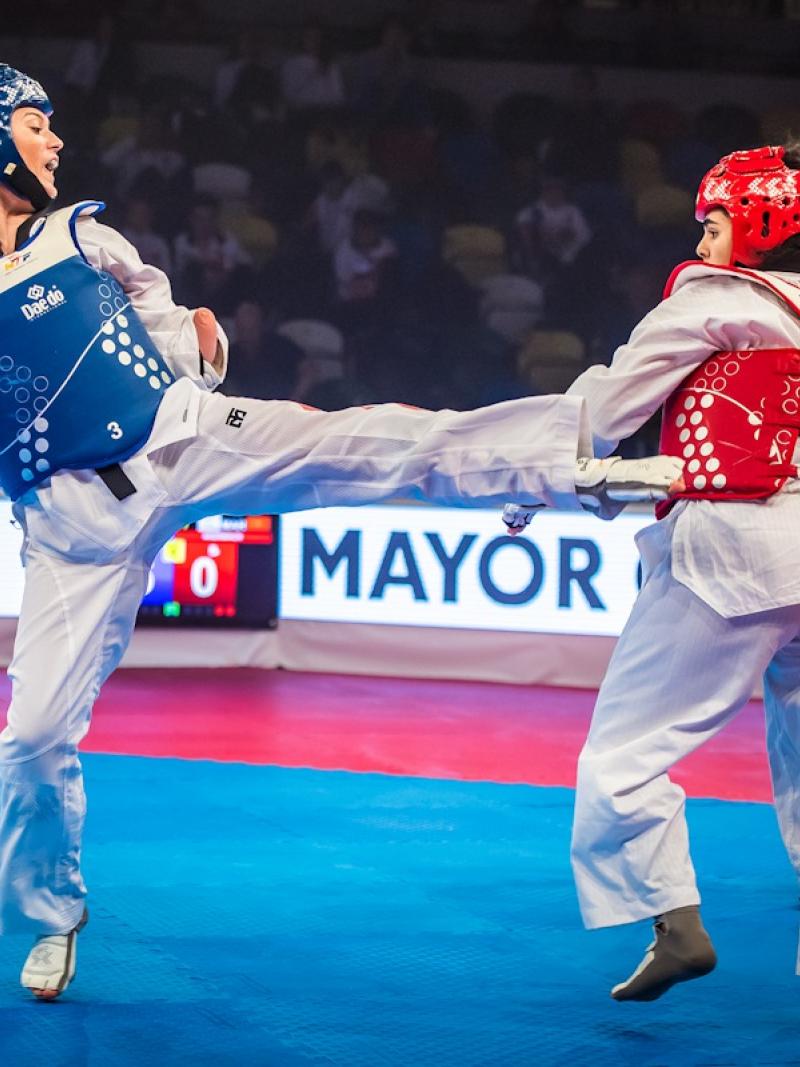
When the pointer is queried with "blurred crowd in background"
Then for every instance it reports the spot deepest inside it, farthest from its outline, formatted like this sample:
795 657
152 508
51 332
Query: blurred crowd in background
363 236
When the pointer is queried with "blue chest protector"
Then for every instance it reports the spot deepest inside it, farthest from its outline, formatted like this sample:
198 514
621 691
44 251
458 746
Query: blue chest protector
80 378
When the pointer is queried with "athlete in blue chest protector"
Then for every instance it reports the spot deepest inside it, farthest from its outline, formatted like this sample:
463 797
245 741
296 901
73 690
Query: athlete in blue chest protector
111 438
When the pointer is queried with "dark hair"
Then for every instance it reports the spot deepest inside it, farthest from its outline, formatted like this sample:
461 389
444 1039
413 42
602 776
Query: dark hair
787 254
785 257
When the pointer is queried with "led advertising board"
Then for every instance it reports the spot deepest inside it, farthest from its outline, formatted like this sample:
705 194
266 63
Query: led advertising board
443 567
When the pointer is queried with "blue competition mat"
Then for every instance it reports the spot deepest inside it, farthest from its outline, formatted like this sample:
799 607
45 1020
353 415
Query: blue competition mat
264 916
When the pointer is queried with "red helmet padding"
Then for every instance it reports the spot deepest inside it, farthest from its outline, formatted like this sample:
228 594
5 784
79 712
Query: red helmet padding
760 194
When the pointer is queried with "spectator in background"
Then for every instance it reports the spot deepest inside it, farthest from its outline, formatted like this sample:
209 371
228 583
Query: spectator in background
255 98
323 380
262 364
250 50
99 65
252 123
209 262
384 80
98 69
121 120
340 197
371 193
585 140
361 259
205 241
312 78
149 154
517 184
247 222
138 229
248 103
242 53
329 213
552 229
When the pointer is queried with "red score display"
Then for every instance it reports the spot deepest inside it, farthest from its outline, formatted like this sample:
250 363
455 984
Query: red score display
208 575
221 570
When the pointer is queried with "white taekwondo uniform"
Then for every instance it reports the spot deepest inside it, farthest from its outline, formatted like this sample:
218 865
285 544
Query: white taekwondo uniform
720 605
87 554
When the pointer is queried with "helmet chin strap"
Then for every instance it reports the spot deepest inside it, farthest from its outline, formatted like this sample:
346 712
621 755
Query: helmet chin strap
25 184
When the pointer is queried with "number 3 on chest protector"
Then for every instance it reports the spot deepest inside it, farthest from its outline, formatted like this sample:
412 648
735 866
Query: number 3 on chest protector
115 430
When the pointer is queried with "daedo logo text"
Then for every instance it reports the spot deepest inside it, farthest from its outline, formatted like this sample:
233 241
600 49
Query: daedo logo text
42 301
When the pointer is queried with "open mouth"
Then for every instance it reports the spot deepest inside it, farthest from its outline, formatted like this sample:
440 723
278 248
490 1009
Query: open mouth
51 166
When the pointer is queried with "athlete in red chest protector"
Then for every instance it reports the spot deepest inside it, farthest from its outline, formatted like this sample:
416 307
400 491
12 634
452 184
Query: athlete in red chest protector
720 604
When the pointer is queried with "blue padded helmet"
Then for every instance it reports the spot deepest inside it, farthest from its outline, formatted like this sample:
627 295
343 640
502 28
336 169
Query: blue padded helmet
18 90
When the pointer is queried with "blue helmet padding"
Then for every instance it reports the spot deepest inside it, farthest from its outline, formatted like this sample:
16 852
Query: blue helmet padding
16 90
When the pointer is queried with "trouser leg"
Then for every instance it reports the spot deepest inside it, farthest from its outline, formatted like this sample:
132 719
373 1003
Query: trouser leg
74 625
679 673
276 456
782 710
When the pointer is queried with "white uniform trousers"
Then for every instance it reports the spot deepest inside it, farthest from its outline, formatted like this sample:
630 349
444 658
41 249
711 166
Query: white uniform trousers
679 673
246 456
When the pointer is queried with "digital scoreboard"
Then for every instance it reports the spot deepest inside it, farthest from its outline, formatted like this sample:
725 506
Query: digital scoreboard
221 571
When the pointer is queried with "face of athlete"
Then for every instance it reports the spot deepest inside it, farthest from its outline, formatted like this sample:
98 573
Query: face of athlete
716 246
37 145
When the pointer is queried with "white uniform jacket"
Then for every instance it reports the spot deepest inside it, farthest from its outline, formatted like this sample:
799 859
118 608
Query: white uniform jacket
739 557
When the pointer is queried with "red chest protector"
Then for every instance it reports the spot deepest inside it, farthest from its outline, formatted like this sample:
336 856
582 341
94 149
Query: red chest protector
735 418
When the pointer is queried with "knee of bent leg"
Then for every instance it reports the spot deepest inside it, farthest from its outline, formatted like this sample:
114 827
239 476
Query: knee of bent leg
618 794
27 737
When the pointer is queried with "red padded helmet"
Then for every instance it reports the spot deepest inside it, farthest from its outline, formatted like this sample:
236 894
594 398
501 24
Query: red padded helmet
760 194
